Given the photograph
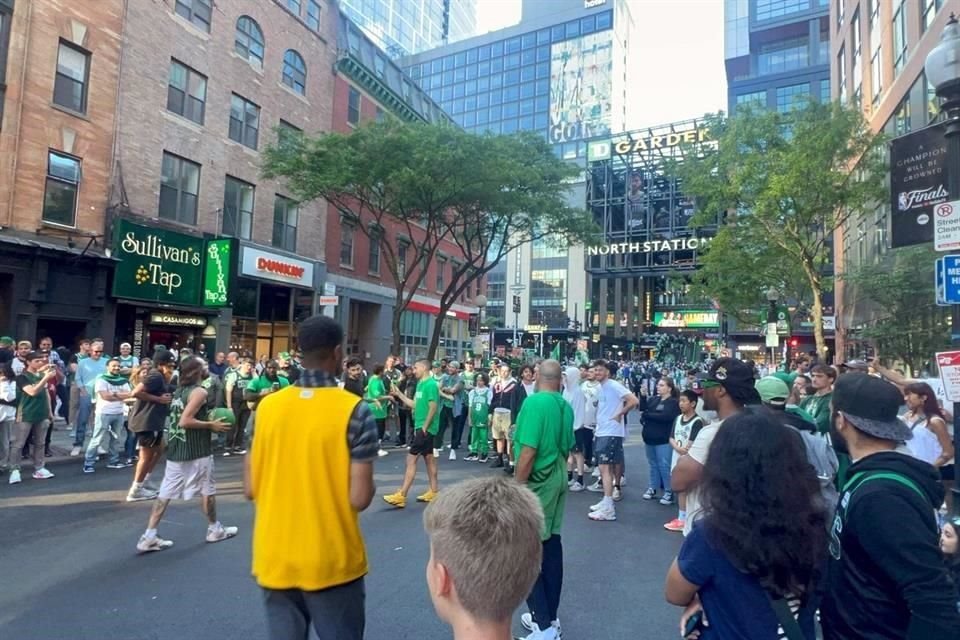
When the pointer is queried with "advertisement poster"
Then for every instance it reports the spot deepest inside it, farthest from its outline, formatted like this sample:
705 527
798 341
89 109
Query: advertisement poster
687 319
581 87
918 183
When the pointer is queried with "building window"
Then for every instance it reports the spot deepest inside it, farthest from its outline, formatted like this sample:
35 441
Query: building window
286 215
754 99
402 258
928 11
840 4
244 121
825 91
373 255
346 245
237 208
353 106
294 72
287 134
441 267
179 188
196 11
899 39
294 6
313 15
770 9
901 118
789 98
70 84
186 92
876 75
248 42
63 185
842 74
783 56
379 65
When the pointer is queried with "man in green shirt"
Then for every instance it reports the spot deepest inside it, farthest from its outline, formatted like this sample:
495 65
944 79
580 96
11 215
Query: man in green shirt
425 406
376 396
34 415
822 378
543 439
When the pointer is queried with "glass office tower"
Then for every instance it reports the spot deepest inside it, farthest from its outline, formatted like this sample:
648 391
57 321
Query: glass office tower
402 27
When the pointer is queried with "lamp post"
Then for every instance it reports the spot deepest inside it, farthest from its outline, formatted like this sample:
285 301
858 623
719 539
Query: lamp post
772 297
481 301
942 68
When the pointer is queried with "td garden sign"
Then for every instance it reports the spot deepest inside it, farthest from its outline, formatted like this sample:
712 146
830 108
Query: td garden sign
648 246
604 149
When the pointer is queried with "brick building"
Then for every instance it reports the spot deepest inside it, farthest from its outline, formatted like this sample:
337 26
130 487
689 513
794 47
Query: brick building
369 85
59 64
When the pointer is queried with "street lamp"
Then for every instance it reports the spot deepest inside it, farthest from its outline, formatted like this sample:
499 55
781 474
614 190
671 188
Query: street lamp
481 301
942 69
771 336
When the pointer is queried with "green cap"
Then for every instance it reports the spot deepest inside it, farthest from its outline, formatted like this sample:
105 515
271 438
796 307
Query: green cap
284 354
437 363
6 341
772 390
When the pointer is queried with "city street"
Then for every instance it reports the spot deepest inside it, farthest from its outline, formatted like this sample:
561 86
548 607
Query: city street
70 569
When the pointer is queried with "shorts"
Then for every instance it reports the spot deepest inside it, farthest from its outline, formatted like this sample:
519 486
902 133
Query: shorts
500 426
150 439
581 440
422 444
553 498
609 450
947 472
184 480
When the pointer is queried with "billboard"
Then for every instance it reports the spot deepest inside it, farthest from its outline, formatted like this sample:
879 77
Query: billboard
918 182
687 319
581 87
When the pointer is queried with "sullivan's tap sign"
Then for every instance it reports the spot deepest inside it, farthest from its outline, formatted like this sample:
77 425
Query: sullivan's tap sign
157 265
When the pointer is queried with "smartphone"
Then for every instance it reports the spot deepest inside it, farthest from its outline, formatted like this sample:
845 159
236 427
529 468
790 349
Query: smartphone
694 623
275 386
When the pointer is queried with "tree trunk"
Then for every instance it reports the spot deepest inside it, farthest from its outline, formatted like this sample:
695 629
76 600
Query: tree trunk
817 312
395 328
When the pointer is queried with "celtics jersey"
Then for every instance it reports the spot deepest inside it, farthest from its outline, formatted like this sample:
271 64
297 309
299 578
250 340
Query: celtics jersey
469 380
186 444
480 400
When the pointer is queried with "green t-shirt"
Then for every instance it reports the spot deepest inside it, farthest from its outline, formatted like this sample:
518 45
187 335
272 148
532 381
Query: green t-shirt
260 383
819 408
545 423
480 406
427 391
376 390
30 408
186 444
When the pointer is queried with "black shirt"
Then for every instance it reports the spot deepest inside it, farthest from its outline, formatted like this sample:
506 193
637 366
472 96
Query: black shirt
147 415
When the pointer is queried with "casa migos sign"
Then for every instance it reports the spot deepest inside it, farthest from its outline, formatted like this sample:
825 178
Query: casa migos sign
648 246
692 136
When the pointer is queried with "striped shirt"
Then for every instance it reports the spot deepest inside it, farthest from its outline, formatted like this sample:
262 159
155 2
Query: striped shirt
186 444
362 429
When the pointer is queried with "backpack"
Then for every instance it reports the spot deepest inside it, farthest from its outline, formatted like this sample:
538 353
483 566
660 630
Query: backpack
821 457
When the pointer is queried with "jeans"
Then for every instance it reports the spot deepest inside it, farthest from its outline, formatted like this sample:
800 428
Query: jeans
24 430
336 613
658 459
544 598
130 446
446 419
457 435
237 434
84 408
403 419
109 427
7 428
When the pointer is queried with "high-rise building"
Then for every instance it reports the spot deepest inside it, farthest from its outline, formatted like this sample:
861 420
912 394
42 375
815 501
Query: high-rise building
403 27
562 72
776 51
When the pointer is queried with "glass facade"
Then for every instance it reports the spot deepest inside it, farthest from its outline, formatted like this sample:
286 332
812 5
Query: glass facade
404 27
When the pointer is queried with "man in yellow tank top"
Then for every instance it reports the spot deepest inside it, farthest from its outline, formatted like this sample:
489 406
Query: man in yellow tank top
308 554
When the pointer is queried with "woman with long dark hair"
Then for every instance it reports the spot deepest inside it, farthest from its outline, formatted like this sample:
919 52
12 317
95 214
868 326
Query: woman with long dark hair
659 414
930 441
755 557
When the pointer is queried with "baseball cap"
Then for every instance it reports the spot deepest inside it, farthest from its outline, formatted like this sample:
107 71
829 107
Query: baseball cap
6 341
284 354
733 375
871 405
856 365
697 384
164 356
772 390
454 364
437 363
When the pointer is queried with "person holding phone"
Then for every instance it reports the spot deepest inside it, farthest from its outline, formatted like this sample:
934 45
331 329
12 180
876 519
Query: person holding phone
34 415
270 381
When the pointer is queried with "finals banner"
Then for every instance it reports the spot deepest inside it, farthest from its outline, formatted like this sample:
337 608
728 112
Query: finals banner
918 182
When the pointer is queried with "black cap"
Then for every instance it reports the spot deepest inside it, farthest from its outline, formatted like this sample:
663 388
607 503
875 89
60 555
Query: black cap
872 406
736 377
163 356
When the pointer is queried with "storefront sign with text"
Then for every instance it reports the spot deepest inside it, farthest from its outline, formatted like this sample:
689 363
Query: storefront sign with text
157 265
216 273
275 267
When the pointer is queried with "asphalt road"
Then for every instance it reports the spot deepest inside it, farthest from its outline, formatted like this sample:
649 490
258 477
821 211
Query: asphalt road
70 571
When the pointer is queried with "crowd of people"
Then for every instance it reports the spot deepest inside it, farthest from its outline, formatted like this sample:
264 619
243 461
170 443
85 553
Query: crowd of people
809 497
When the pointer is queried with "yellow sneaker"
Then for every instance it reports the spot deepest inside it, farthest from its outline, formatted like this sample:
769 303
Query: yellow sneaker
396 499
427 497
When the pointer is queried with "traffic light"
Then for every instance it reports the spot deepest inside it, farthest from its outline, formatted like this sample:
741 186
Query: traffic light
516 304
793 343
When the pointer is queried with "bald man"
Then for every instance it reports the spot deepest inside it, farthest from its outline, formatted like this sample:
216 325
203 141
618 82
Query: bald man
542 442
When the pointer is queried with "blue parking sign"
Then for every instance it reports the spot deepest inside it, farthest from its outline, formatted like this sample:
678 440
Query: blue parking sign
951 279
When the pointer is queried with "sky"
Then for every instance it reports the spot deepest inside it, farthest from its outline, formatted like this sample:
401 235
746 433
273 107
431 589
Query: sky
676 61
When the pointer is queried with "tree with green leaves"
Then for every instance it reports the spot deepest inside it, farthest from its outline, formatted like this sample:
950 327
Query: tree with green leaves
786 185
905 321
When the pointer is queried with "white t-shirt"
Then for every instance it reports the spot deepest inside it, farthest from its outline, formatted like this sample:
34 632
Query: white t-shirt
698 451
529 387
109 407
591 396
610 403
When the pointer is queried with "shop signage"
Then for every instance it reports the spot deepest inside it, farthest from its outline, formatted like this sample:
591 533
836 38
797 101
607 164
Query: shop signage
946 226
275 267
157 265
949 364
948 280
917 184
648 246
331 301
687 319
661 142
178 320
216 273
590 4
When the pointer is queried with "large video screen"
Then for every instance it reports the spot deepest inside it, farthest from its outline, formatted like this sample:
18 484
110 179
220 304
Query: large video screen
581 87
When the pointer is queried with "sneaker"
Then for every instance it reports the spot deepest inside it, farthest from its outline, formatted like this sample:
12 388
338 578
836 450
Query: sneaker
482 459
453 454
667 498
508 469
137 495
128 462
383 452
427 497
227 453
116 465
14 476
617 494
42 474
649 494
436 452
219 532
596 487
156 543
623 481
603 515
471 457
674 525
576 487
527 621
88 468
396 499
594 507
239 451
550 633
74 452
497 462
596 472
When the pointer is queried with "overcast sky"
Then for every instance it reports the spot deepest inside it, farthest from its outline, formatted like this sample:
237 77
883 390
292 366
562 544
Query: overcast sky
677 59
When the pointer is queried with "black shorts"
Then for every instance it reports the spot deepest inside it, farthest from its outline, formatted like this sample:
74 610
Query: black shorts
947 472
422 444
582 439
150 439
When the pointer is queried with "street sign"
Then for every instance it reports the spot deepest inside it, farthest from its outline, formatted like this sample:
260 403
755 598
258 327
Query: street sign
951 279
949 364
946 226
940 283
829 323
329 301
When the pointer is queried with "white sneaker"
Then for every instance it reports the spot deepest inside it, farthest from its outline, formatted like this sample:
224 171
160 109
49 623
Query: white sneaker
15 476
74 452
436 453
383 452
526 620
603 515
136 495
623 481
596 472
617 494
156 543
594 507
453 454
550 633
596 487
42 474
576 487
216 534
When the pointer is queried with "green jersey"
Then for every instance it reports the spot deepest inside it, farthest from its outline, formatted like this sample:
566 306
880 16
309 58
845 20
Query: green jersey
819 408
427 391
186 444
469 380
260 383
545 423
375 391
480 400
31 409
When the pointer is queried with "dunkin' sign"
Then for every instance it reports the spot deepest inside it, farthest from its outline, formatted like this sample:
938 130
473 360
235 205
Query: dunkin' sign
266 265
